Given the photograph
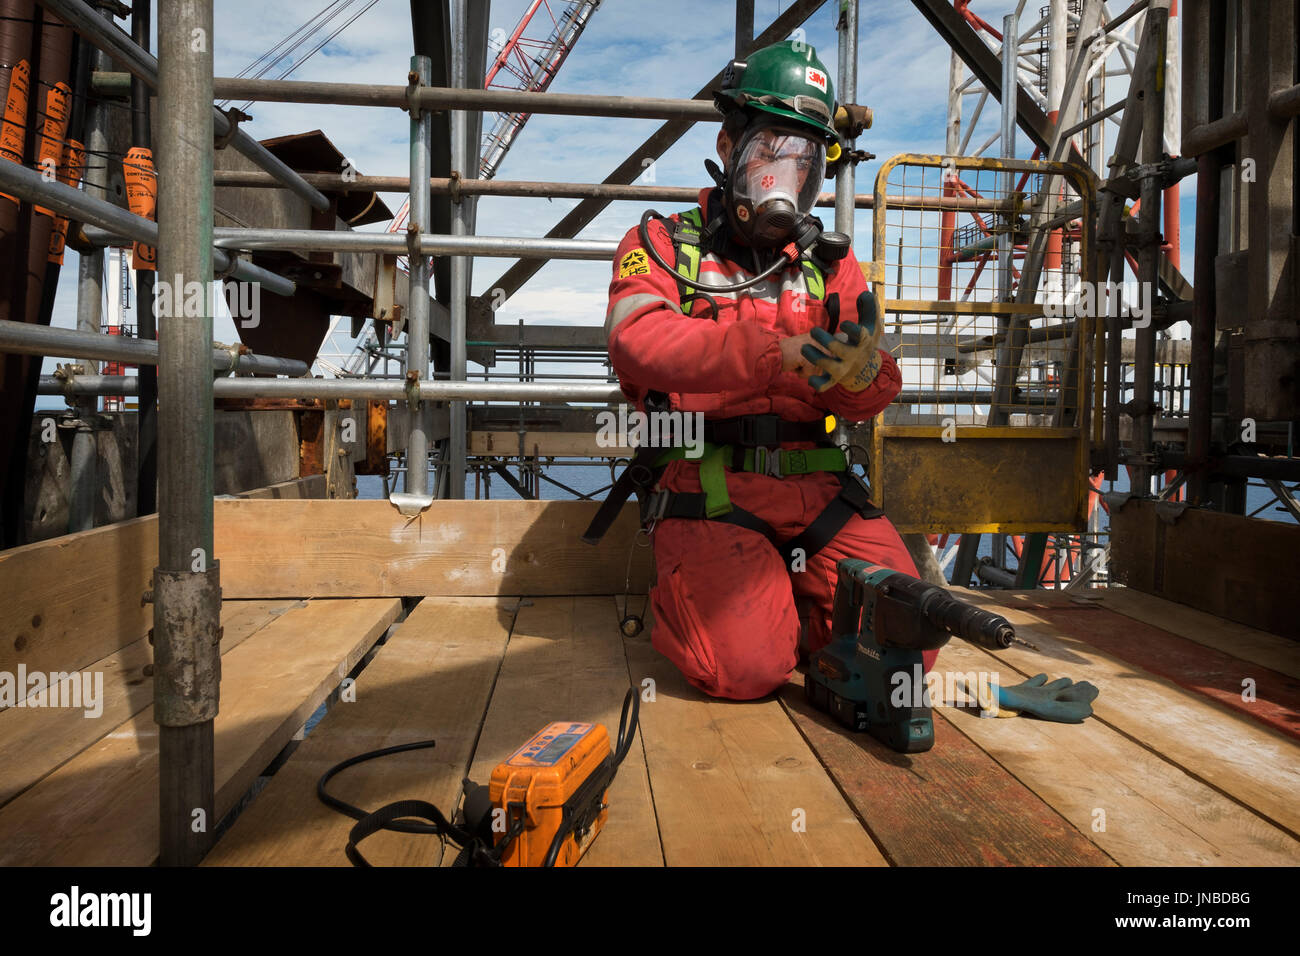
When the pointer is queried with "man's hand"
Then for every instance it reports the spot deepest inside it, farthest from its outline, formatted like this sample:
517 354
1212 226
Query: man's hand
851 357
792 359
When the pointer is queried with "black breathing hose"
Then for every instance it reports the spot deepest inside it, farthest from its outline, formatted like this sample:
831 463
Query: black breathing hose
643 233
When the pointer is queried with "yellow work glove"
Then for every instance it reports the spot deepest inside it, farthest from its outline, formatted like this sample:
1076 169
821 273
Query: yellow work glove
851 357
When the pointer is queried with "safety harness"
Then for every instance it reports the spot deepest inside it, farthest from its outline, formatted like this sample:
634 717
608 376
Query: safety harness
689 237
743 443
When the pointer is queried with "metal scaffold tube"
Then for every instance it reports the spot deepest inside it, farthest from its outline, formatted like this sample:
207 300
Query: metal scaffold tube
84 465
443 186
319 240
378 390
460 159
24 338
107 223
392 390
458 98
845 178
139 62
187 591
223 263
417 330
1010 88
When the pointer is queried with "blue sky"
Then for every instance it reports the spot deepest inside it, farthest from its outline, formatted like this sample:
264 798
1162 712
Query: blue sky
666 48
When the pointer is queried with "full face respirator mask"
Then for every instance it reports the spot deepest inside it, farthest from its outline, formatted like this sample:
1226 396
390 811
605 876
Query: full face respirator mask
773 178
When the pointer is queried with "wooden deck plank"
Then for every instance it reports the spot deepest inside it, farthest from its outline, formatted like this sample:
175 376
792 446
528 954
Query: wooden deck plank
1153 813
565 661
35 741
367 549
951 806
75 600
1240 640
730 779
101 807
431 679
1251 763
1274 700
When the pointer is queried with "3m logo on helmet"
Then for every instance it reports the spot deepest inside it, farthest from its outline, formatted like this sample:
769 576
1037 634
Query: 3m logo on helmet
815 78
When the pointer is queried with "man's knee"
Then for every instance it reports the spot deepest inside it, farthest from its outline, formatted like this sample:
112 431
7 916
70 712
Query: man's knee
732 636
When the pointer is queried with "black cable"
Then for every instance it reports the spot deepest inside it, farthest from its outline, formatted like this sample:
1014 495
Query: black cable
441 824
713 305
626 729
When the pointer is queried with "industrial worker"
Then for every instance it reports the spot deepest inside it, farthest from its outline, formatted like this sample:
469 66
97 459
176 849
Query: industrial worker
747 536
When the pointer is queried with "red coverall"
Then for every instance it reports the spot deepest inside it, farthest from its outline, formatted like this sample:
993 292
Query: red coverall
724 601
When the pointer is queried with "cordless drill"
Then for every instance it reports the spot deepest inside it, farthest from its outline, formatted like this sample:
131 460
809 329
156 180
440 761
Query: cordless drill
881 621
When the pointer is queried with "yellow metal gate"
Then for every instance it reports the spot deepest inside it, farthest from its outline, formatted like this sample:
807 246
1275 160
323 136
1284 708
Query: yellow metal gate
992 431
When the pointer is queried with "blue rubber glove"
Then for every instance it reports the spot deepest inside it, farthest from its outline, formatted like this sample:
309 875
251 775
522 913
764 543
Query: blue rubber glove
1061 700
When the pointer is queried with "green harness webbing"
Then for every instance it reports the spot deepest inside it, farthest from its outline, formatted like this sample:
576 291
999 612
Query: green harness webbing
775 462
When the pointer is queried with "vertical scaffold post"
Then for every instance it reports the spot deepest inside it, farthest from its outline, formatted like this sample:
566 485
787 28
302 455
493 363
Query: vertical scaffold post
845 179
187 592
84 477
417 328
1149 222
460 166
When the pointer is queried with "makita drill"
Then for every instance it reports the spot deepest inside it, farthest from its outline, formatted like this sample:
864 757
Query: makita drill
881 622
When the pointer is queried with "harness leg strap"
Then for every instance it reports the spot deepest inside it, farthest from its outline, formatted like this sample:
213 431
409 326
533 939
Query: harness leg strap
853 499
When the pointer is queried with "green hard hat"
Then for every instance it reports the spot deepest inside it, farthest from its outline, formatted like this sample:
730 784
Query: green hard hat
785 79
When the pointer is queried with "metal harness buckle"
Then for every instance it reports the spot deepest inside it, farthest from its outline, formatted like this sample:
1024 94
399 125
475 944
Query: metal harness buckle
767 461
656 505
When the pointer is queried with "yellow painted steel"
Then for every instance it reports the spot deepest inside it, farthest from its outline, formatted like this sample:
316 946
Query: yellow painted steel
976 478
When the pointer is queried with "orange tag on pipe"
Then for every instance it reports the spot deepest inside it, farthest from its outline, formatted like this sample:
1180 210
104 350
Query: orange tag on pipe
70 172
141 199
11 132
53 127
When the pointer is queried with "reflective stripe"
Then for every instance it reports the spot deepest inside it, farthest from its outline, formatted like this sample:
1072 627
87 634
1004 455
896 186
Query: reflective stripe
718 271
625 306
814 279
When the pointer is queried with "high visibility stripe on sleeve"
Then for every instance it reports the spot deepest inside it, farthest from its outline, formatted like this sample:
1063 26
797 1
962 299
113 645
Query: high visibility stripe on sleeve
629 304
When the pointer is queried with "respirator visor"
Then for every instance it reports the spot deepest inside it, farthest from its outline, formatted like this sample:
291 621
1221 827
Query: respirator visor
779 175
